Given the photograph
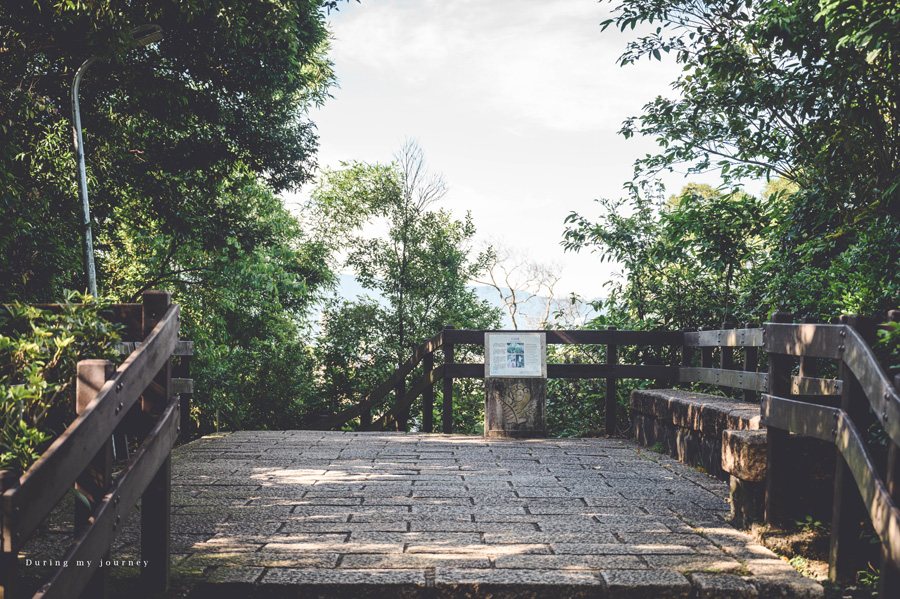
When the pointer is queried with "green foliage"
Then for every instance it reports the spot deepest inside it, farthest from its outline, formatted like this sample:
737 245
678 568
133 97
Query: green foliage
39 352
417 272
221 98
188 142
685 260
803 90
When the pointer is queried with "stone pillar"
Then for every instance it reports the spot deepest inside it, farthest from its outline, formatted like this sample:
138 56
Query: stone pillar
515 385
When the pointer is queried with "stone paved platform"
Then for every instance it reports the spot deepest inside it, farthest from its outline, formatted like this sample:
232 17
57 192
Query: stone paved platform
325 514
314 514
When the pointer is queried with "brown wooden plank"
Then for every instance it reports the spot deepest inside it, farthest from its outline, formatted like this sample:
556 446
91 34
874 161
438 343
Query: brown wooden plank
53 474
833 425
9 561
428 396
579 371
778 501
612 396
642 371
726 357
182 348
889 572
801 385
747 337
813 340
882 395
403 404
737 379
464 371
577 337
94 482
447 390
799 417
157 498
751 361
183 386
115 507
849 509
382 390
882 509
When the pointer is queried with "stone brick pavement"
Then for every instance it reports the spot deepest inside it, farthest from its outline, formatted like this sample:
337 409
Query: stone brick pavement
330 514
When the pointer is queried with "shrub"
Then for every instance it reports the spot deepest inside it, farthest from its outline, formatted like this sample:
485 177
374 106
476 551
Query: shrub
39 353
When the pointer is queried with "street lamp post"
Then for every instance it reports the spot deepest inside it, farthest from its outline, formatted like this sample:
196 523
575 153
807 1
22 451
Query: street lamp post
143 36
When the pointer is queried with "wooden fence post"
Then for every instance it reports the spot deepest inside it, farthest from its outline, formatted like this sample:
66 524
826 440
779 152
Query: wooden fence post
706 353
687 353
402 419
447 415
726 361
9 556
182 370
777 495
156 500
889 582
611 395
96 479
751 362
849 510
428 395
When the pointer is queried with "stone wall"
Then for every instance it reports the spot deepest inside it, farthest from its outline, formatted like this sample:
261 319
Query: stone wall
690 426
724 437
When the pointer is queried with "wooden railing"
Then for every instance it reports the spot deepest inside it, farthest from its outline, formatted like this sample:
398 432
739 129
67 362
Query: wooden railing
794 399
867 398
394 416
82 456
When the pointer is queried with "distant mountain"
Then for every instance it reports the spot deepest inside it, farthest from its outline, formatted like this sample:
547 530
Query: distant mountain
349 289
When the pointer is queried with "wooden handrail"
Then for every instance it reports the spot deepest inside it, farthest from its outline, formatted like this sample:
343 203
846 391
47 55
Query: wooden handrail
834 425
53 474
23 507
382 390
844 343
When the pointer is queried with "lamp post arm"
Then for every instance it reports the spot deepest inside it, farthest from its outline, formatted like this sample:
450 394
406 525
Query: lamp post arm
88 242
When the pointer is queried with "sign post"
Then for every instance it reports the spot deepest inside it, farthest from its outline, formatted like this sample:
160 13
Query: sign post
515 385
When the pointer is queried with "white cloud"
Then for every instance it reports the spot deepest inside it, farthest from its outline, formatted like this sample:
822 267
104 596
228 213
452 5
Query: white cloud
517 102
528 63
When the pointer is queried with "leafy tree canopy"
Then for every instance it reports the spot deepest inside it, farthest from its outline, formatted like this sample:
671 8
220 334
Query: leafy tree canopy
169 129
804 93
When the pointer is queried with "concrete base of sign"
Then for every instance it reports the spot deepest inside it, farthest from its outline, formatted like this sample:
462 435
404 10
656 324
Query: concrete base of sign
515 408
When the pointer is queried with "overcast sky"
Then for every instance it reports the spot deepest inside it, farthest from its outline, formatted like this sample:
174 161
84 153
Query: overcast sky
516 102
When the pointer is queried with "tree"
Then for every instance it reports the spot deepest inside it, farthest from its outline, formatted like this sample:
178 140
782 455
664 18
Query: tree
167 128
686 261
722 232
418 271
189 141
526 287
796 90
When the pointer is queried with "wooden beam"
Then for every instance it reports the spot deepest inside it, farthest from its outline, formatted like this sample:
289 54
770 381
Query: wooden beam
746 337
810 340
877 387
778 501
94 482
110 516
156 502
801 385
833 425
376 396
402 405
577 337
737 379
53 474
